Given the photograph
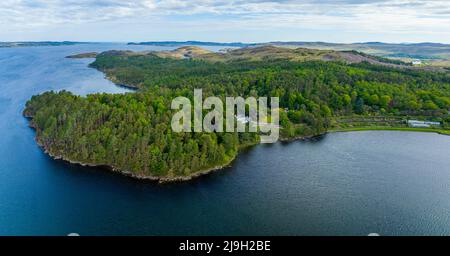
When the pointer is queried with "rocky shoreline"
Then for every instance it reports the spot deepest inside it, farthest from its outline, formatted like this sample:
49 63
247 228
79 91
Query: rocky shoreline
117 83
158 179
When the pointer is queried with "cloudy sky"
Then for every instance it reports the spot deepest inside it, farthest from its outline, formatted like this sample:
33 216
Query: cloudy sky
226 20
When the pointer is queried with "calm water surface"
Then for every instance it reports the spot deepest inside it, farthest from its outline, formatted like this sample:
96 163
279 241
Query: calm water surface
392 183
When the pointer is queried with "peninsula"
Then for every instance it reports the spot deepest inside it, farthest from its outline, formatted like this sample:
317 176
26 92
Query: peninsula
319 90
86 55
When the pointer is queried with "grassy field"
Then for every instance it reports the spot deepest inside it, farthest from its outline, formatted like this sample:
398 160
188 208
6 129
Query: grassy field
438 63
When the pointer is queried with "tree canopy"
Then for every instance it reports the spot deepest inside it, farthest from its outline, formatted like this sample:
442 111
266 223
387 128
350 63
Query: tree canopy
132 131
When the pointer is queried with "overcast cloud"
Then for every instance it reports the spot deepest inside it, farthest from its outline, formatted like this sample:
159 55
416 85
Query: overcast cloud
248 21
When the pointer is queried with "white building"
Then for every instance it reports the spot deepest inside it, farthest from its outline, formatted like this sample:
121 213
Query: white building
422 124
242 119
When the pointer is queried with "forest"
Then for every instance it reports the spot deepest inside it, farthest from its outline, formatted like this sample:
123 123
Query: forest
131 132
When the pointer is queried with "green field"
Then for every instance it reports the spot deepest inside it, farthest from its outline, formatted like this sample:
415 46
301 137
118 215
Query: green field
381 128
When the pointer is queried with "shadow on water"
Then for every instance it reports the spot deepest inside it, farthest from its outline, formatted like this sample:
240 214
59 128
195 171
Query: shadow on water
311 140
104 174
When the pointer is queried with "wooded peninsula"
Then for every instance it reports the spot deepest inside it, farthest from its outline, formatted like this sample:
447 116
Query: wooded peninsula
319 91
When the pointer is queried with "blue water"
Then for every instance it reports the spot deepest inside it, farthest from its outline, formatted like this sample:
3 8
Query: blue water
392 183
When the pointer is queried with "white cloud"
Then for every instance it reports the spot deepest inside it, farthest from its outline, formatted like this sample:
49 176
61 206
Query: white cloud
426 17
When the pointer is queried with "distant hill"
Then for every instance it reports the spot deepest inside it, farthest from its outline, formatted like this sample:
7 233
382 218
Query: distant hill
43 43
193 43
264 52
405 50
184 52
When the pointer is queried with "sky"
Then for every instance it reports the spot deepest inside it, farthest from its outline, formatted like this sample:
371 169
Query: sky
341 21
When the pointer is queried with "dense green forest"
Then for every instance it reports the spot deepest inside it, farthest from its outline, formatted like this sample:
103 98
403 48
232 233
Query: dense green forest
132 132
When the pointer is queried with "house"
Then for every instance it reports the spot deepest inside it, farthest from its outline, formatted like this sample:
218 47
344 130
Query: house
416 62
243 119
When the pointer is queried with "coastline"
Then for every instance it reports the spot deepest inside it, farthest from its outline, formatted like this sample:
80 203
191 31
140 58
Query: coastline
116 82
159 179
302 137
165 179
387 128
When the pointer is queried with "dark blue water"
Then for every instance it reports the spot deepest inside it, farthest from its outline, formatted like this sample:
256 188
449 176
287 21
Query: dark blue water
392 183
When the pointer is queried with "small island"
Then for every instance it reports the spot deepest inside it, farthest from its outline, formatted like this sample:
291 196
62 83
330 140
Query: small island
319 91
86 55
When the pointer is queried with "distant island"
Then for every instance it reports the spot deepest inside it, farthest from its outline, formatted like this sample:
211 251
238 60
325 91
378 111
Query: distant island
319 90
86 55
40 43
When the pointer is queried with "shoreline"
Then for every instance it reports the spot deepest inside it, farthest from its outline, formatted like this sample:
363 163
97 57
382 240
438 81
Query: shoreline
400 129
165 180
114 81
160 180
302 138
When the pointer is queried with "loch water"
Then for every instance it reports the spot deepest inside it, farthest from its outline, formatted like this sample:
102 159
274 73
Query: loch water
386 182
